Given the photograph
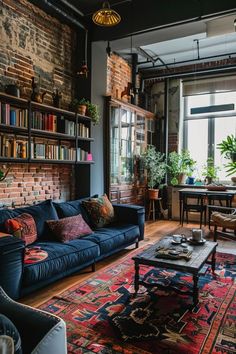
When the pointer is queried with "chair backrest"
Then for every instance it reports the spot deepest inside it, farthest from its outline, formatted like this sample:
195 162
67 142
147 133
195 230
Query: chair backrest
193 199
220 199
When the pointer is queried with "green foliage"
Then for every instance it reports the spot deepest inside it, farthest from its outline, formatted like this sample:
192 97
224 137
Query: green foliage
210 170
180 164
155 166
93 113
1 174
228 149
92 109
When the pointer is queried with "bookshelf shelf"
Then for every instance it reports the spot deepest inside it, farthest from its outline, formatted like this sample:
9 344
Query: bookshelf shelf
32 132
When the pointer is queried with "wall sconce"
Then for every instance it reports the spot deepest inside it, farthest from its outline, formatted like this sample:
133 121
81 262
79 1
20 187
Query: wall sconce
105 16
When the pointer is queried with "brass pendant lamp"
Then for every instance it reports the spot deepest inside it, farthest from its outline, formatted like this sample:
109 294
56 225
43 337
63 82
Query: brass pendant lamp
106 17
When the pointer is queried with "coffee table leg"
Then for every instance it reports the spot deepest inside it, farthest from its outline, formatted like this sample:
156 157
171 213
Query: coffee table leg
195 289
213 262
136 278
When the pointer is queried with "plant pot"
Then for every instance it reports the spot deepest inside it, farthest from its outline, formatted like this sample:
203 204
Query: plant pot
153 193
209 180
233 179
82 108
182 178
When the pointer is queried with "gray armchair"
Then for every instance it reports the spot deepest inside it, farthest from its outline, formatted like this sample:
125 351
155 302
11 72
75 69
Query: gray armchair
40 332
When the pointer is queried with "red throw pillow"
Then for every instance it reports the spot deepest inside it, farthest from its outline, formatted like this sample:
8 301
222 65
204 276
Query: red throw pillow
69 228
22 226
100 210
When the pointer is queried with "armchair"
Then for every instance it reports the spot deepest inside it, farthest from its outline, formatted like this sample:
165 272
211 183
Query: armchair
225 218
40 332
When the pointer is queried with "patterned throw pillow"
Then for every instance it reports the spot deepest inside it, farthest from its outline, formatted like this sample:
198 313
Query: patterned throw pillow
22 226
100 210
69 228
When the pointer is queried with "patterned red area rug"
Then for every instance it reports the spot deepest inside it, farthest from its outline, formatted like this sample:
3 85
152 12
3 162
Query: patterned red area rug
103 317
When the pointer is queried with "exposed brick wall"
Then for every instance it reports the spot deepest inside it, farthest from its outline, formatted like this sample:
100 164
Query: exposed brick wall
172 142
32 44
119 73
35 44
27 184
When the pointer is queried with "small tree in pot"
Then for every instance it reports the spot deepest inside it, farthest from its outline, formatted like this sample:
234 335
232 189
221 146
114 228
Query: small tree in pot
228 149
156 170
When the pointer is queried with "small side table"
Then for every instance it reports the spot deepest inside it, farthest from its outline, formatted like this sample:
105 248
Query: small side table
152 208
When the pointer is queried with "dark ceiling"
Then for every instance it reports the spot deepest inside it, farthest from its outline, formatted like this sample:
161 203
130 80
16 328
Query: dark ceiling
137 15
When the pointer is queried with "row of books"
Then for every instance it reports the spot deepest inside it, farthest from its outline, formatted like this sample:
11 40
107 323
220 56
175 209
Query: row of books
57 152
11 146
13 116
53 123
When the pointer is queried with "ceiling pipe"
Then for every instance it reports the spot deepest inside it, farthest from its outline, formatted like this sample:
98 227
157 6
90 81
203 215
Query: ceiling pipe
63 14
185 61
192 73
72 7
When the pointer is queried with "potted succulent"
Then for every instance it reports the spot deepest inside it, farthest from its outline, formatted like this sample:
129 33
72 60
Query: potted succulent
210 171
156 169
180 165
228 150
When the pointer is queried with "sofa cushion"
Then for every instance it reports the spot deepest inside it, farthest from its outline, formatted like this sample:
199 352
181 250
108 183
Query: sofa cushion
69 228
72 208
114 236
41 213
22 226
100 210
61 257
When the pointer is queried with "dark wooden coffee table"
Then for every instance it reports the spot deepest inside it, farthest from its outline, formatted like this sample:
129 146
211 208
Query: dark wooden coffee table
199 256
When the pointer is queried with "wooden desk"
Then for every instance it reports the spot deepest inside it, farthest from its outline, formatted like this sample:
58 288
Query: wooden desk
202 192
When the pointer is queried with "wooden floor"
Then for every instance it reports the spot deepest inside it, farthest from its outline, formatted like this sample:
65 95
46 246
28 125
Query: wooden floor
153 232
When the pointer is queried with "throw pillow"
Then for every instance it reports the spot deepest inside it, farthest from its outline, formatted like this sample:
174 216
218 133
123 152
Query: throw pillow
9 329
100 210
68 229
34 255
23 227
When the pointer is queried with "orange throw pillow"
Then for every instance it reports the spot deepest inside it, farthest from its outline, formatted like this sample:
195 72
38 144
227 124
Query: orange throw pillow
23 227
100 210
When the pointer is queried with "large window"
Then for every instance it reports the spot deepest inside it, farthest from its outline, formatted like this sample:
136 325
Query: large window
208 119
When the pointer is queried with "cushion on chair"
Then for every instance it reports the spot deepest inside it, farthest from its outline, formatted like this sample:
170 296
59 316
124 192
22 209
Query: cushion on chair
9 329
224 220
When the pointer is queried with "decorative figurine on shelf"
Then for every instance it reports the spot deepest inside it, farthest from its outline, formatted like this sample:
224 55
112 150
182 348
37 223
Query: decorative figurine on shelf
35 95
56 97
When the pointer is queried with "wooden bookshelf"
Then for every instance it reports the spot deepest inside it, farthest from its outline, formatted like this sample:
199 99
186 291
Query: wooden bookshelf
34 132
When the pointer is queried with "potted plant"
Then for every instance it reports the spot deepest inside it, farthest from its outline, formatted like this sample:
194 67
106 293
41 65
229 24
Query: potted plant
179 166
210 171
93 112
156 170
80 106
228 150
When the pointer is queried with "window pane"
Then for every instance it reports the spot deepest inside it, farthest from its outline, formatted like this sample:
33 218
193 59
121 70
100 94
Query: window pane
223 127
197 143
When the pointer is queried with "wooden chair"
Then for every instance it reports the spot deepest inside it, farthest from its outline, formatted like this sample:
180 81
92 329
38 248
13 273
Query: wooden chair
216 201
226 221
193 203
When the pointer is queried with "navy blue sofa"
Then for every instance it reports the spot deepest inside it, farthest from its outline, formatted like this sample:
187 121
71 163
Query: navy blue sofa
19 279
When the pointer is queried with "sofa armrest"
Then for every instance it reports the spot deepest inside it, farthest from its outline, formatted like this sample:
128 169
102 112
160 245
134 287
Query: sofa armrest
40 332
132 214
11 265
